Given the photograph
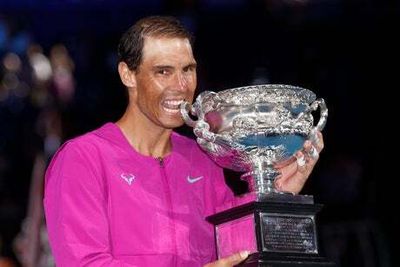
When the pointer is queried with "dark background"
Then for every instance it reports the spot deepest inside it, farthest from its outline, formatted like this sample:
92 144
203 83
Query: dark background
337 48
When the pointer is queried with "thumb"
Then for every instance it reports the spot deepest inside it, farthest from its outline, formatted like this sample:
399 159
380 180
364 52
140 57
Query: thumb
234 259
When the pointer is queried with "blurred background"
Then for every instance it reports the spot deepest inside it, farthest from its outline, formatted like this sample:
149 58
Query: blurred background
58 79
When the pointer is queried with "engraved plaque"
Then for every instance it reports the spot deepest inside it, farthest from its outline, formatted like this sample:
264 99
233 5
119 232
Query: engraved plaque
288 233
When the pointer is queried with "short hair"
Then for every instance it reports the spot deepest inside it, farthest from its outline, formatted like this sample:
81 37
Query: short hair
130 47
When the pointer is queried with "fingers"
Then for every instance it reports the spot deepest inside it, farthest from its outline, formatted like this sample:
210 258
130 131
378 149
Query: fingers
306 159
235 258
301 160
229 261
294 175
310 154
317 140
311 151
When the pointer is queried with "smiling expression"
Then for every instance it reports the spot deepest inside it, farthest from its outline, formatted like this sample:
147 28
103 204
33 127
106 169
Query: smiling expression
165 78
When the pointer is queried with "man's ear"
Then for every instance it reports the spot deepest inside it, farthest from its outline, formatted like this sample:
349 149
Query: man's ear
127 76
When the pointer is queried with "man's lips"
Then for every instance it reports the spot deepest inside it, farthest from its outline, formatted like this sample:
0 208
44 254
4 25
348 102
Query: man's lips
172 106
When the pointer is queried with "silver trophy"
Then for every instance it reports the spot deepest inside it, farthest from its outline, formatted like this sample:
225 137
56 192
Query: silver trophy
252 129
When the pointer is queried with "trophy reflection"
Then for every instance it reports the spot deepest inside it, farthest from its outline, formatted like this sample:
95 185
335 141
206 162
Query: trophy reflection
253 129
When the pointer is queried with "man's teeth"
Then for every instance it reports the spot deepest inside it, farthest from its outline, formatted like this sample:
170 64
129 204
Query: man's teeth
172 105
171 110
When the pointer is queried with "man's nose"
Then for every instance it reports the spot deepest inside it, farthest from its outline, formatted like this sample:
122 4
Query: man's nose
181 82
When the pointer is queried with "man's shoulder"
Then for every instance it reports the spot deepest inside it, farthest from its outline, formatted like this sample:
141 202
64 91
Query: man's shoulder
90 140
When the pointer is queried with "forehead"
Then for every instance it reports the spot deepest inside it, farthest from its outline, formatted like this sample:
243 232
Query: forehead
158 48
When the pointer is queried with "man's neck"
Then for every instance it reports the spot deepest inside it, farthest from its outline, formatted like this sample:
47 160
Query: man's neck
147 139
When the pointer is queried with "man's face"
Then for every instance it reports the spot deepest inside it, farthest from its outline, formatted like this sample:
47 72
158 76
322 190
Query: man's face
165 78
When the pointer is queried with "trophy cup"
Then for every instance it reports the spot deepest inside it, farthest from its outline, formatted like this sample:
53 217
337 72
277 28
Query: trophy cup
252 129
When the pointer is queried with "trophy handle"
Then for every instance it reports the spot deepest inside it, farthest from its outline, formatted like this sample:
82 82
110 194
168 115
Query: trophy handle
201 127
196 109
205 138
322 118
323 113
186 107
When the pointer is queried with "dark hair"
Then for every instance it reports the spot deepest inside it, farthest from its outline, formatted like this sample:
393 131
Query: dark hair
130 47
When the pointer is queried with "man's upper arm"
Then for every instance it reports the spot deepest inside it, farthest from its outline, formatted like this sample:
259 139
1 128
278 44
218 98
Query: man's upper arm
76 209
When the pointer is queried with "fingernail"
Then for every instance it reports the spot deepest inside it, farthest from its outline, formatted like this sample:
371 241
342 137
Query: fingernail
244 254
301 161
314 153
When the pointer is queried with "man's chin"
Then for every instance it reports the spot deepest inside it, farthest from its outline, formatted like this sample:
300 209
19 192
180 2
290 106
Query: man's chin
174 124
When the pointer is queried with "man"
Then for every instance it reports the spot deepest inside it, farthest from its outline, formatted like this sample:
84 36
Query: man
134 193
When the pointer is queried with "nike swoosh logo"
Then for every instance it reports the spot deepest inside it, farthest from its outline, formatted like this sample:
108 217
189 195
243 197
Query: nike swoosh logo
194 179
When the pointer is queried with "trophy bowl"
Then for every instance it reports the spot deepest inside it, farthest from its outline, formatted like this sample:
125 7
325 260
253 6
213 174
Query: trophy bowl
253 129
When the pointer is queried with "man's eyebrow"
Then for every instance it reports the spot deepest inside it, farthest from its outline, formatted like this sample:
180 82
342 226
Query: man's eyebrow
191 65
158 67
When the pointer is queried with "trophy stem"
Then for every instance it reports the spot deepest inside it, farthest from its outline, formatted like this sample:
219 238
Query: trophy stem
262 180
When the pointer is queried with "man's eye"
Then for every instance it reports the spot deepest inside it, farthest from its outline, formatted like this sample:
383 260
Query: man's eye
163 72
189 69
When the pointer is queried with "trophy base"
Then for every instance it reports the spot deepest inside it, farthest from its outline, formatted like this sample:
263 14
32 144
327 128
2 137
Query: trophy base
273 260
277 230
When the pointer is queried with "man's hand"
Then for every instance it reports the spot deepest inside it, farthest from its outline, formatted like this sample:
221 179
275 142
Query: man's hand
229 261
295 174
